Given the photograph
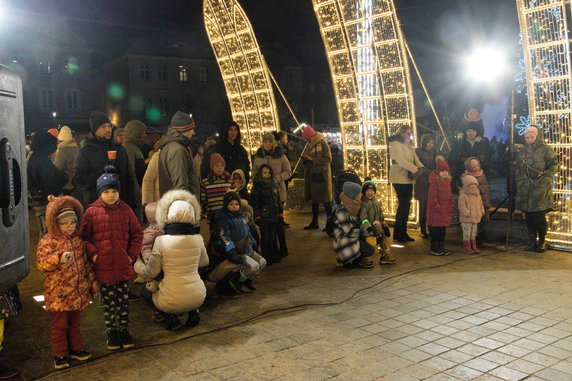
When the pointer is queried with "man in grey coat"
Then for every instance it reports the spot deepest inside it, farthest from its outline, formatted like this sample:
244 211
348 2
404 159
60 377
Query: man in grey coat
176 170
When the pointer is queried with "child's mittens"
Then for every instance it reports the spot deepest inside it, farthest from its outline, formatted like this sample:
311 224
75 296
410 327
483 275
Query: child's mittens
234 257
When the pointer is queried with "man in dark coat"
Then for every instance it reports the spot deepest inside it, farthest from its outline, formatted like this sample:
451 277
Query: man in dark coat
471 145
44 178
233 153
176 170
93 157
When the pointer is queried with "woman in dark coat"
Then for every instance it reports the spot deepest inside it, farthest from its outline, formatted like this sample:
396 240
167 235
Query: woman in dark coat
471 145
536 165
427 154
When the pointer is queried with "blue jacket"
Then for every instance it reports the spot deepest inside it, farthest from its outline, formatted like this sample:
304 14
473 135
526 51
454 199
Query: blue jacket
232 227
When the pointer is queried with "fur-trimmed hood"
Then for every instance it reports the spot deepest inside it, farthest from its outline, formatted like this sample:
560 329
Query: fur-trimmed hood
276 153
55 205
426 138
172 196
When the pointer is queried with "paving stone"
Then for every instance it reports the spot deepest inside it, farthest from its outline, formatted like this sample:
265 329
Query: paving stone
456 356
553 375
508 374
481 364
463 373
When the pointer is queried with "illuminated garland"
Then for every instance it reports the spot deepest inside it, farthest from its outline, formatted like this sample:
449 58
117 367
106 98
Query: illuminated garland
370 75
547 58
243 70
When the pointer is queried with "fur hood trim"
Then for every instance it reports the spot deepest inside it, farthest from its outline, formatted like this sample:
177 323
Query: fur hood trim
172 196
276 153
55 205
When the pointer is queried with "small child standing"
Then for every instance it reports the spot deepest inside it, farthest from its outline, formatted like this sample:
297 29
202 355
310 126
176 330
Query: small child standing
473 168
113 239
373 222
471 211
234 232
69 278
439 207
265 201
214 187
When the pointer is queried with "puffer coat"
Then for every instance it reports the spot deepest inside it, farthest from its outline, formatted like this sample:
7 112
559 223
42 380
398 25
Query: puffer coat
279 163
536 165
113 233
403 160
232 227
264 199
471 208
67 286
318 172
439 201
179 256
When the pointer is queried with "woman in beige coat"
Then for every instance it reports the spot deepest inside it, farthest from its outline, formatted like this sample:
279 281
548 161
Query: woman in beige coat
150 186
178 254
404 166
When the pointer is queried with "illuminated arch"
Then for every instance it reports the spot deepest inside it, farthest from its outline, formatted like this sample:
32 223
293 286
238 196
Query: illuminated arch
371 81
243 69
546 45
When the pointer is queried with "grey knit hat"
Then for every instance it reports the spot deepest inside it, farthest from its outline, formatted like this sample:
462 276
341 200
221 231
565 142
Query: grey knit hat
352 190
268 137
182 122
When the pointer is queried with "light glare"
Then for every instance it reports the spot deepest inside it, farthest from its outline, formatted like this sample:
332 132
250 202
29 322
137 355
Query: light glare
486 64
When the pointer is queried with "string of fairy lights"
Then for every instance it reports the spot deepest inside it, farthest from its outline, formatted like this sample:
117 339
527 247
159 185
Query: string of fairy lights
370 75
244 71
546 44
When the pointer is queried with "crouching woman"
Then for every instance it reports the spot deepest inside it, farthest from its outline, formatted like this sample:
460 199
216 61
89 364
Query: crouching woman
178 254
349 241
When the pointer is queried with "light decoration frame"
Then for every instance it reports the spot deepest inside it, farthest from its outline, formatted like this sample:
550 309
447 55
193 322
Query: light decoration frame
372 85
243 68
546 45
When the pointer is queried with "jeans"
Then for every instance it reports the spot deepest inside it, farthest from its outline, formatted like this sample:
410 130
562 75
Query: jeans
404 194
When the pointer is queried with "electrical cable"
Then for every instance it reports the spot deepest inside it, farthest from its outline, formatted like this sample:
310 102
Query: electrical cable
268 313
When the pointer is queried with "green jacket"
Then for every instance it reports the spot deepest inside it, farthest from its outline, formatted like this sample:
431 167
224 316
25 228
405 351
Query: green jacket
176 169
536 165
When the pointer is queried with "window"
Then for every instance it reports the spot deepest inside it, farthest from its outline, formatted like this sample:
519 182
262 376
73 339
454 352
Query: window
145 71
72 99
183 73
164 106
45 67
47 99
162 73
203 74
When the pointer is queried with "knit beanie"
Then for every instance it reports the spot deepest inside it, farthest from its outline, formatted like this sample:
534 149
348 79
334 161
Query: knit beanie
531 130
182 122
441 166
268 137
65 134
109 180
215 159
181 211
368 184
352 190
134 129
308 133
96 120
228 197
54 132
65 213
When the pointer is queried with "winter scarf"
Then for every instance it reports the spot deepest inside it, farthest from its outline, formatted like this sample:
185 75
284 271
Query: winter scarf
351 205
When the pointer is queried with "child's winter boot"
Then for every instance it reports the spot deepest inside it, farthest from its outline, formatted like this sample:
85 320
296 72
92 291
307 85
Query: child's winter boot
474 247
467 249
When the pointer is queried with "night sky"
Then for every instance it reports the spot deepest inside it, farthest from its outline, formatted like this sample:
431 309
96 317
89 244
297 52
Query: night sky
439 32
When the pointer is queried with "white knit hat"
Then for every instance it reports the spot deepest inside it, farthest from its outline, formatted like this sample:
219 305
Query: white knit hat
181 211
65 134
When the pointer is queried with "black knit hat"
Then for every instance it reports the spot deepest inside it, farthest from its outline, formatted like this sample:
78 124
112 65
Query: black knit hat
43 143
96 119
182 122
109 180
368 184
228 197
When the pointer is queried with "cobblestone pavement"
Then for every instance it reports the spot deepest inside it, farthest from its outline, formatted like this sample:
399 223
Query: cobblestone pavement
500 315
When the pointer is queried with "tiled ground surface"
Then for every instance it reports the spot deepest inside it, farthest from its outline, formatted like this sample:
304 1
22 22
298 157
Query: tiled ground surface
502 315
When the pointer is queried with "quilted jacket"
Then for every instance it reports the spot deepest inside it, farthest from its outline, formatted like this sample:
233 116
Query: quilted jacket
440 201
113 233
67 285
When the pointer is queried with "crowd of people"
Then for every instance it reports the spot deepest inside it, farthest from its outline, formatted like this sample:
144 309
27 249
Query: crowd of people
124 185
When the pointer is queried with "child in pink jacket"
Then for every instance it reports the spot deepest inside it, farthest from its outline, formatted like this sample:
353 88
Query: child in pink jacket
471 211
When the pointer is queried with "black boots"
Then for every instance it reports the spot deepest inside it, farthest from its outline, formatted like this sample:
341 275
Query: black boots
541 247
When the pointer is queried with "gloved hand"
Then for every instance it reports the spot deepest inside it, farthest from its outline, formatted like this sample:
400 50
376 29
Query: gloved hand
386 231
234 257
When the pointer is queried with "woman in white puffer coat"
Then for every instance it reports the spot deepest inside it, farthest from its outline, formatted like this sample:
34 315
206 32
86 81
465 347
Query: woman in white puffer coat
178 253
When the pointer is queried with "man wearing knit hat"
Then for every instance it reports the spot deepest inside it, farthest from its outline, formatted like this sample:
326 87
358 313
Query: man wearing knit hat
176 170
99 150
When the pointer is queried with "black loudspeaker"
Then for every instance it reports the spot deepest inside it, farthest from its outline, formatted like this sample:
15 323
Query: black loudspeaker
14 229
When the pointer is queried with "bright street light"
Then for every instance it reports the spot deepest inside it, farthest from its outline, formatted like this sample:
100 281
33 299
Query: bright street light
486 64
54 114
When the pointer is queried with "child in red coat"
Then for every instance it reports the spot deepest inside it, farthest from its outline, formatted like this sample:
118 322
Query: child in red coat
439 207
113 239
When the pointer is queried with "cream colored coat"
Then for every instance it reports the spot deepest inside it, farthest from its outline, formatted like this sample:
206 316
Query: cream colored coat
150 186
406 160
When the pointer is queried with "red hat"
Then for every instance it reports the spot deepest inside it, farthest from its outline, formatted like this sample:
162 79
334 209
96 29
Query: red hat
442 166
215 159
308 133
54 132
